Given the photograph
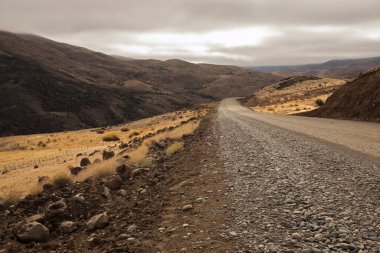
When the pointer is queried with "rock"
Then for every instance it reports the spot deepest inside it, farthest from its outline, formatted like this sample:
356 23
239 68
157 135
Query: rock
42 179
132 228
296 236
107 193
36 217
56 208
319 237
187 207
78 198
136 172
98 221
108 154
67 227
33 231
76 170
200 200
123 171
85 162
233 233
47 187
114 183
121 192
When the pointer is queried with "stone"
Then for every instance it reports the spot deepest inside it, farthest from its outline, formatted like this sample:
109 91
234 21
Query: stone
107 193
76 170
187 207
98 221
123 171
85 162
132 228
136 172
121 192
36 217
108 154
114 183
296 235
67 227
56 208
33 231
319 237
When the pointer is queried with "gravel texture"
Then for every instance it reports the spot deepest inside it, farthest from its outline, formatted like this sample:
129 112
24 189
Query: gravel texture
293 193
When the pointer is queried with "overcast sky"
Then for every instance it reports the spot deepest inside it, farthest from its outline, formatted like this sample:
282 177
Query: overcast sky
240 32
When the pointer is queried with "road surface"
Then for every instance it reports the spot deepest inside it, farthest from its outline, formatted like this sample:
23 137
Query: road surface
296 184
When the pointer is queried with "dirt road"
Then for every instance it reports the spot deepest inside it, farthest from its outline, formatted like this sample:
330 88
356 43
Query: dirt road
293 193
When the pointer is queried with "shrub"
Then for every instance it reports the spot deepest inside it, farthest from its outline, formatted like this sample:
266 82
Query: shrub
61 180
319 102
174 148
111 137
134 134
124 129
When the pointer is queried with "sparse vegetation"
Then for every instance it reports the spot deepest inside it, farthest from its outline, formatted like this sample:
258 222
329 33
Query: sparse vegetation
319 102
111 137
174 148
124 129
61 180
135 133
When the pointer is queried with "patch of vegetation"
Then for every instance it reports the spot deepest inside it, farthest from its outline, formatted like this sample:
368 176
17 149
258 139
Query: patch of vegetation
124 129
61 180
319 102
134 134
174 148
111 137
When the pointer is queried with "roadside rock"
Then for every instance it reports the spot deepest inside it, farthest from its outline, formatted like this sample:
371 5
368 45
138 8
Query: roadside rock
33 231
114 183
98 221
68 227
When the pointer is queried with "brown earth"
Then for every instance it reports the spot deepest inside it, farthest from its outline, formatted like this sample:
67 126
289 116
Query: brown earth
46 86
359 99
154 203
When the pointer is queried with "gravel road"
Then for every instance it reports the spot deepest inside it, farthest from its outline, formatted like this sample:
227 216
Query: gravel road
293 193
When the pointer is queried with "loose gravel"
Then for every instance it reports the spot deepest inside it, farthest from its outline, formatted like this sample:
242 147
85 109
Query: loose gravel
296 194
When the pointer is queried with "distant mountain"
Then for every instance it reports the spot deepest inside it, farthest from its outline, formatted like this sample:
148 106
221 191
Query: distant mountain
48 86
358 99
334 68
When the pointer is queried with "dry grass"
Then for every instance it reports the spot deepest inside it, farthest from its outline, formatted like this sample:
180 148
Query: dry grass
111 137
66 145
61 180
174 148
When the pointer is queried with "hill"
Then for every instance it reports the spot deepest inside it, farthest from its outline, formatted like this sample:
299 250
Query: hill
334 68
359 99
47 86
293 94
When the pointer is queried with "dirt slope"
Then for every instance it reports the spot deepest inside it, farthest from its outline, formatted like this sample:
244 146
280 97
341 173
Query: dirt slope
358 99
48 86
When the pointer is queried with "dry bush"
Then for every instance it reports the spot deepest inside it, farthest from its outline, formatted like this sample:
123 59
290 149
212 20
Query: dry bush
174 148
98 170
111 137
135 133
61 180
124 129
271 109
319 102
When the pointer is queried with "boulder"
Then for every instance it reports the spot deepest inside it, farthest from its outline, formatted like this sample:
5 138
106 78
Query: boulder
85 162
32 231
56 208
108 154
67 227
114 183
98 221
123 171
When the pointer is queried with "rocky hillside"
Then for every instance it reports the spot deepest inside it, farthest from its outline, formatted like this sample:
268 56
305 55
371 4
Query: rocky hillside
48 86
358 99
334 68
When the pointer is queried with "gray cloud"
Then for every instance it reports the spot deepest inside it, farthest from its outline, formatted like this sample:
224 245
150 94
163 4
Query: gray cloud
242 32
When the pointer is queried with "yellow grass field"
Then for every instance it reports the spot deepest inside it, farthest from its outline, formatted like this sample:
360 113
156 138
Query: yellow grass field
55 153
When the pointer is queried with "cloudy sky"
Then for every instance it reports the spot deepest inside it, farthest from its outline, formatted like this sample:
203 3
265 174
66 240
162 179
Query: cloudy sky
240 32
